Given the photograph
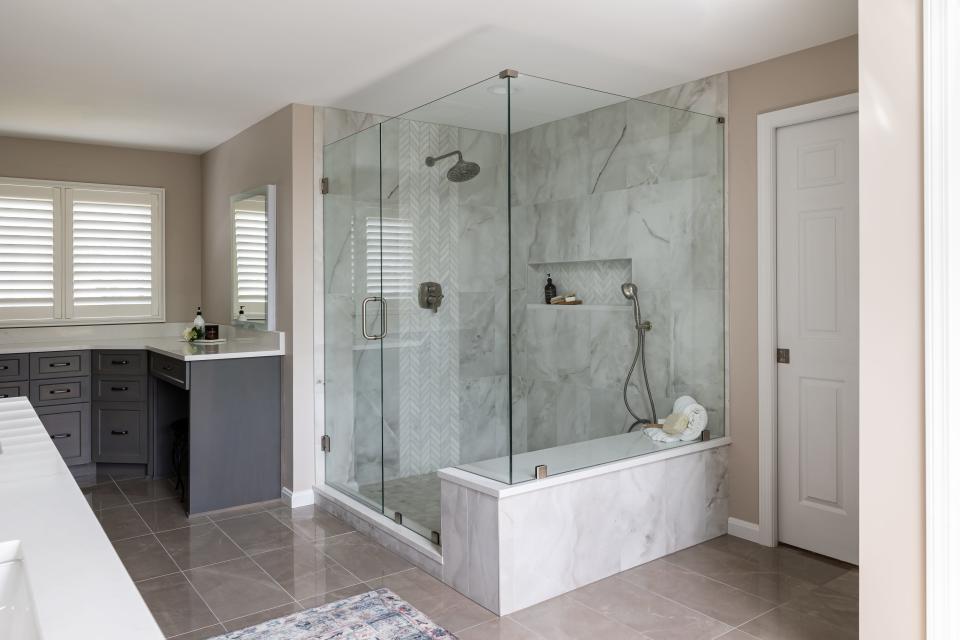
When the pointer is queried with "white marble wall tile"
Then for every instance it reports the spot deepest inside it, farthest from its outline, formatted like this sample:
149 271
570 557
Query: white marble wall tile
476 329
563 537
608 225
484 413
707 95
340 123
612 343
607 144
556 540
489 188
482 248
471 549
558 230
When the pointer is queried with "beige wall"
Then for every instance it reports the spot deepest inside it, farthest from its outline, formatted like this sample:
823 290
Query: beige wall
891 320
178 173
277 150
806 76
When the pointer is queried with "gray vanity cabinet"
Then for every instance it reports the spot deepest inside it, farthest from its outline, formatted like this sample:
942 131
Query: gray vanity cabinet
58 384
120 419
69 428
221 419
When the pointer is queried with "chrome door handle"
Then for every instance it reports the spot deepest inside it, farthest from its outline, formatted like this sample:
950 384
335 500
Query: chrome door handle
383 318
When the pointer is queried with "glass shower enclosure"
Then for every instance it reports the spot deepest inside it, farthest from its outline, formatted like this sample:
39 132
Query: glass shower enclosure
440 228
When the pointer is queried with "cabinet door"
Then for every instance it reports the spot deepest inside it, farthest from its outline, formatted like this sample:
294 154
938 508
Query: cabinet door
59 364
13 389
117 389
60 391
128 363
14 367
69 428
120 432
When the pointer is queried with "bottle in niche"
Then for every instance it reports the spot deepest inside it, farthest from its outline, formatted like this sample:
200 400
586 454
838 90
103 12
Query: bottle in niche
549 291
198 322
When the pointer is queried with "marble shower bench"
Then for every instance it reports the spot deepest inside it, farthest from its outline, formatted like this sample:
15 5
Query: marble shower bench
508 547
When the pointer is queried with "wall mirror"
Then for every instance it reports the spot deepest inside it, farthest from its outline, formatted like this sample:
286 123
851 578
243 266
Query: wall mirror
253 258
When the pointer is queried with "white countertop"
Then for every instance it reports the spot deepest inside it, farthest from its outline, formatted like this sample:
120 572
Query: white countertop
166 341
79 586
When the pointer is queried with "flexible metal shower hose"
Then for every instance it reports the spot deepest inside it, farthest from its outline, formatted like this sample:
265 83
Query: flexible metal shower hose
641 356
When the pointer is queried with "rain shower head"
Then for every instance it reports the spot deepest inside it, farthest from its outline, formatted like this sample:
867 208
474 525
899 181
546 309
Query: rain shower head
461 171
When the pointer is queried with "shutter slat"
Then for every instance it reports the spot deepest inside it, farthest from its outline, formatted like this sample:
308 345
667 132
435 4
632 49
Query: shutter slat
250 248
389 257
26 252
112 250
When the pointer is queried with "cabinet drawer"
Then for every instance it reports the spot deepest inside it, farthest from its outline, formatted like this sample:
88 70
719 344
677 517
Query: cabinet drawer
119 433
119 389
59 364
69 428
176 372
132 363
60 391
14 367
14 389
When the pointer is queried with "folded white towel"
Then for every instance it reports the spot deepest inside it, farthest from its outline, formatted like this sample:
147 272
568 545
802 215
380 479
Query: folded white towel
696 416
696 422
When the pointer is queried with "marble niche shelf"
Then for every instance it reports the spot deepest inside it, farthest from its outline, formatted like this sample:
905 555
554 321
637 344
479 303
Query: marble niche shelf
595 280
581 307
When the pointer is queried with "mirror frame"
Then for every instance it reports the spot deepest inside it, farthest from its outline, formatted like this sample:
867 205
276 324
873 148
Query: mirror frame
270 193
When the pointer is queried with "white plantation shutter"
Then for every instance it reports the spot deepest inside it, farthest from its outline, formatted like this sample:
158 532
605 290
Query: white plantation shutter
250 244
72 253
115 260
389 257
28 256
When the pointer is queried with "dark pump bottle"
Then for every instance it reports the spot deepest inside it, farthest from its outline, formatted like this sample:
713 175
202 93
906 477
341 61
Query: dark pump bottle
549 291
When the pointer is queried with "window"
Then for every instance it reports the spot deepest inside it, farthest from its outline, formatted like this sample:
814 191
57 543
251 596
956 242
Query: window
389 257
80 254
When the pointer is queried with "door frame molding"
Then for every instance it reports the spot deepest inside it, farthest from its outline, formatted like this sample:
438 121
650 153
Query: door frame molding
941 64
767 125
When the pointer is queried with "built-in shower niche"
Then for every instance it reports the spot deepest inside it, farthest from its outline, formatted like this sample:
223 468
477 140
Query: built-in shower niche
596 282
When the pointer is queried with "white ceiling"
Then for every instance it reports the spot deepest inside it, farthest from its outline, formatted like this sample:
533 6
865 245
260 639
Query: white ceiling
186 75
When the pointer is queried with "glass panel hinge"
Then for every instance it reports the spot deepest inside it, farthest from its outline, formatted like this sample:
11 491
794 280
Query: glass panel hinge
325 443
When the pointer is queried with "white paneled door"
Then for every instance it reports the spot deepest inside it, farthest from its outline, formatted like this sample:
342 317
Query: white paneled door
817 321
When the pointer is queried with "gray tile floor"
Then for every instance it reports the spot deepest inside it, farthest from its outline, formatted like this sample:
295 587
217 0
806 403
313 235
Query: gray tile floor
224 571
416 497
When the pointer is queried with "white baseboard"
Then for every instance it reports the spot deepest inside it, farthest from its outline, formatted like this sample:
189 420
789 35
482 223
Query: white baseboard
294 499
743 529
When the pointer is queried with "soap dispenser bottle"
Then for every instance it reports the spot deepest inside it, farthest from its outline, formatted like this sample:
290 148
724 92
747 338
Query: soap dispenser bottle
549 291
198 322
242 317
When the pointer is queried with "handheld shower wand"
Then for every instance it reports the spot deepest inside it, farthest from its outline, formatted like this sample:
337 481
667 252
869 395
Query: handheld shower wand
629 291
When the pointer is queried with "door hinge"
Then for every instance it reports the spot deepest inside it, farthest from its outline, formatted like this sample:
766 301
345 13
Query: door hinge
783 356
324 186
325 443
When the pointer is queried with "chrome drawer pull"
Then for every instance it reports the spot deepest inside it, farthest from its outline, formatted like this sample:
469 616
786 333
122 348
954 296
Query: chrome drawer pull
54 392
167 367
120 362
59 364
119 433
4 367
59 436
4 395
119 388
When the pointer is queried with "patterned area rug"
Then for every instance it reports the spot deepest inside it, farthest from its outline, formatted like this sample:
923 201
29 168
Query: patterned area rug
377 615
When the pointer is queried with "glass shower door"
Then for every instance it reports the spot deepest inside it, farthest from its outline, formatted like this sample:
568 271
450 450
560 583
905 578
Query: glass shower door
354 322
